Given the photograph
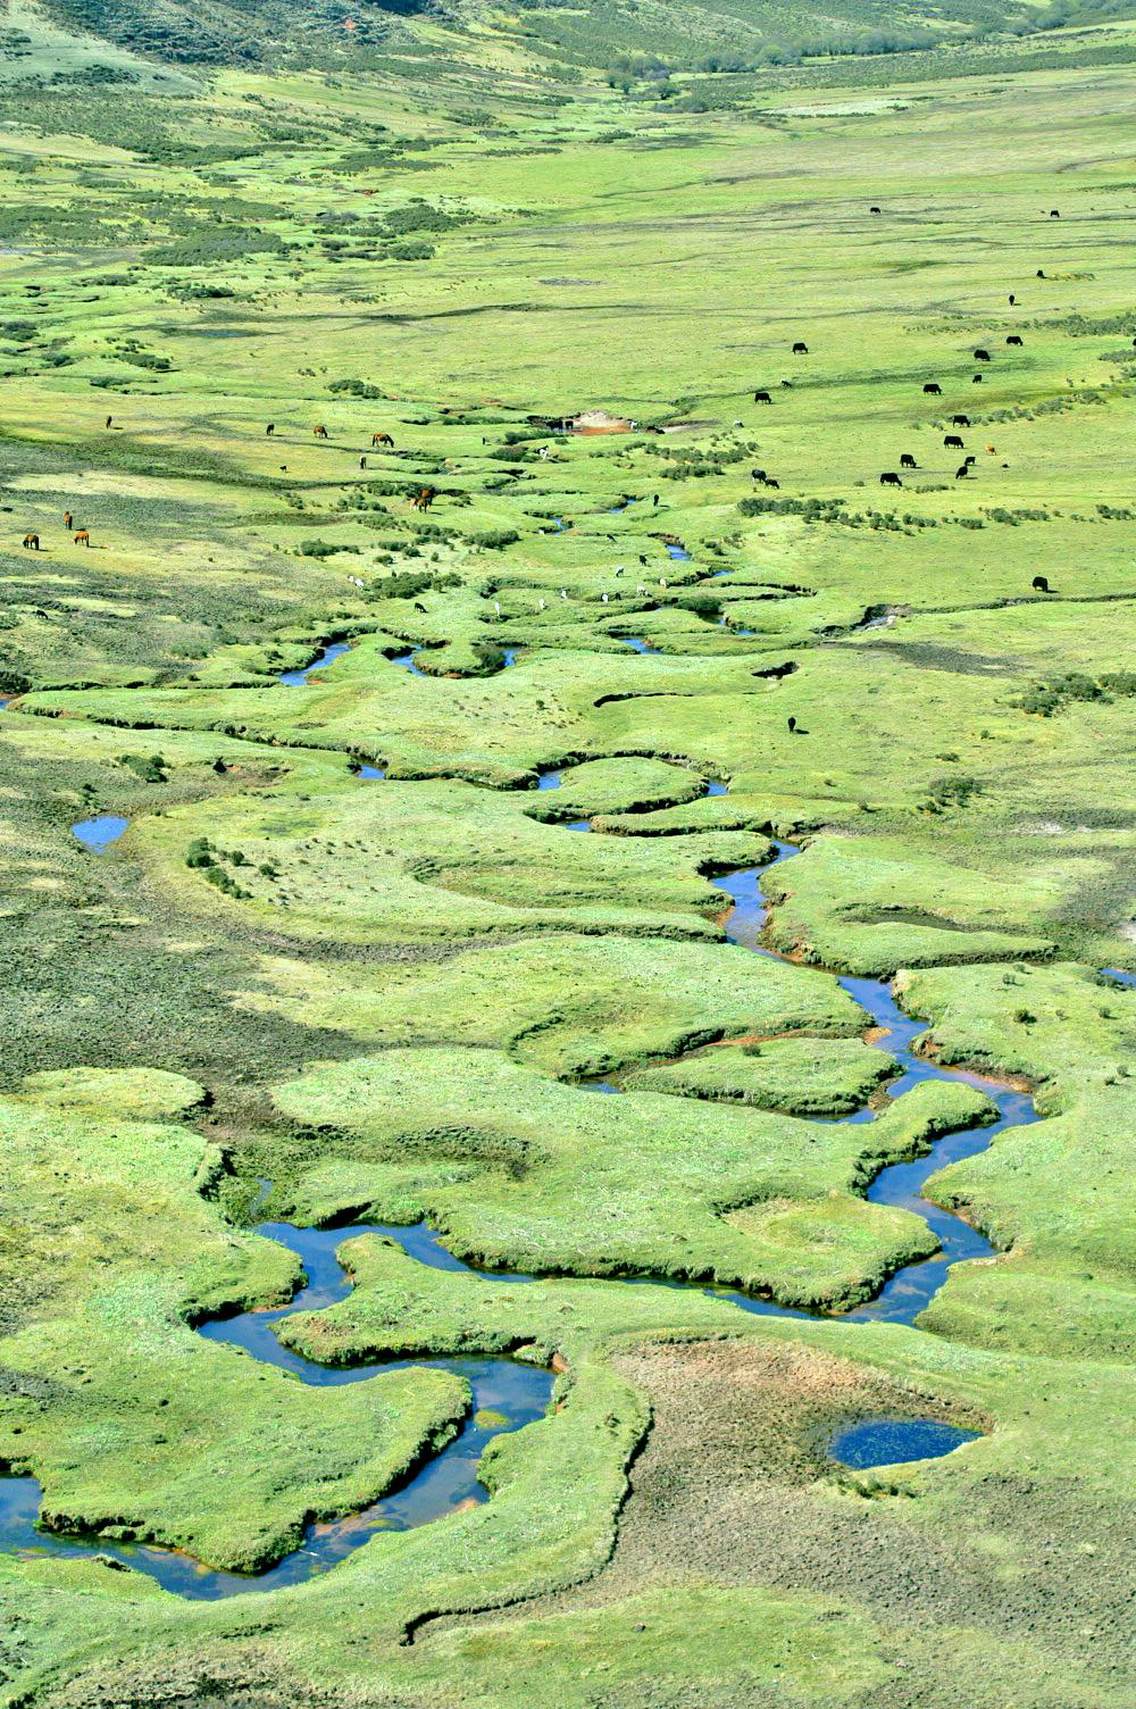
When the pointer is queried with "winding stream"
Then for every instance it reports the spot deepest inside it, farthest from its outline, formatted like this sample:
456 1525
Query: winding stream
519 1392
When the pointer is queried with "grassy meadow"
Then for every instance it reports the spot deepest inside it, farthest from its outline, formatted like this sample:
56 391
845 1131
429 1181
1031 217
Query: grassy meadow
353 959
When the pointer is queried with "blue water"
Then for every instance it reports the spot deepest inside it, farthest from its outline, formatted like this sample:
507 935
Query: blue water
99 833
912 1288
678 552
1119 976
405 661
578 825
328 656
549 779
891 1441
636 643
510 657
370 772
520 1393
713 787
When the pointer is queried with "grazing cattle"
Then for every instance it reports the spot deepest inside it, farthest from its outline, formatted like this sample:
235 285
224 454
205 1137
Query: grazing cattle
1055 213
83 538
889 478
362 462
1040 584
270 429
960 421
1040 274
933 389
976 380
418 606
981 355
772 483
874 210
68 521
757 474
31 542
962 473
907 461
1011 299
320 431
800 349
788 385
424 498
990 450
792 723
382 439
952 441
969 462
1012 338
109 419
762 398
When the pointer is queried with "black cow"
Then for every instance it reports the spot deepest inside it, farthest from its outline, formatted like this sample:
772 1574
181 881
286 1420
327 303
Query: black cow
969 462
788 384
270 429
874 210
889 478
1055 213
1012 338
792 723
1040 584
757 474
952 441
933 389
962 473
1011 299
1040 274
800 349
977 380
762 398
981 355
907 461
960 421
772 483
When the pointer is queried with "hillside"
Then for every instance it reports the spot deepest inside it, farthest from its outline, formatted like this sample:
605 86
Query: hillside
632 38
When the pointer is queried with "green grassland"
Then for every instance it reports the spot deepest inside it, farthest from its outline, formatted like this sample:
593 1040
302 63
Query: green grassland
294 990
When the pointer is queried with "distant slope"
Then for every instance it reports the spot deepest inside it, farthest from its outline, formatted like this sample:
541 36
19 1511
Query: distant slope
237 31
634 41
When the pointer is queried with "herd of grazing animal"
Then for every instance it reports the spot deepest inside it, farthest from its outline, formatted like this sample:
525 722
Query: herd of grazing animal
81 537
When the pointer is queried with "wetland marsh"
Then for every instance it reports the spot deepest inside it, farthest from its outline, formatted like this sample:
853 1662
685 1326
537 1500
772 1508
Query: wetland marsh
614 376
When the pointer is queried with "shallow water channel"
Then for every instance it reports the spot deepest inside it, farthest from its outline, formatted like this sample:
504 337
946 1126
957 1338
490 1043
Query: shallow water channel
519 1392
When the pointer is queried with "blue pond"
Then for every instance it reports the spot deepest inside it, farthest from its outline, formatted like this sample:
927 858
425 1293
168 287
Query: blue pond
636 643
891 1441
327 656
370 772
1119 976
99 833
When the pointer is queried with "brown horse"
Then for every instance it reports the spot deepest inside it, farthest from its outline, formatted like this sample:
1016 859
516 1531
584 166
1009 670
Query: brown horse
31 542
424 498
83 538
382 439
320 431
